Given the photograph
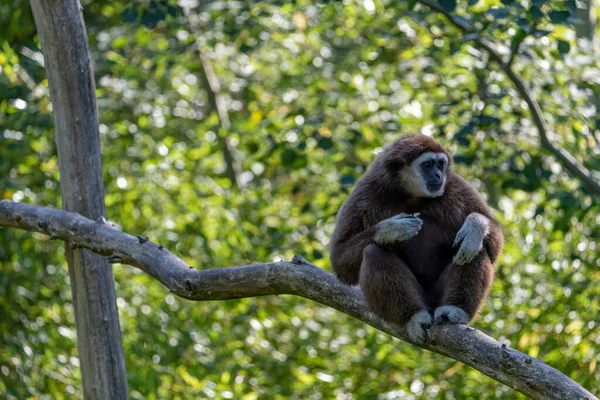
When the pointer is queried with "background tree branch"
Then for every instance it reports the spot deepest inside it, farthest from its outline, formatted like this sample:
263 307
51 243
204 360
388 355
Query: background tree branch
299 277
217 103
566 159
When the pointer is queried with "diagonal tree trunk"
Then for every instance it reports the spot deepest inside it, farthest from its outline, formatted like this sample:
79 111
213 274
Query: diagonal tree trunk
73 92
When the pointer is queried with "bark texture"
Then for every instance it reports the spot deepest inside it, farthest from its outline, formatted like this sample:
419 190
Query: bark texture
73 93
587 16
298 277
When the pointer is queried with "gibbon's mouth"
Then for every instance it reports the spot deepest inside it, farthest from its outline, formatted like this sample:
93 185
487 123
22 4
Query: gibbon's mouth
434 187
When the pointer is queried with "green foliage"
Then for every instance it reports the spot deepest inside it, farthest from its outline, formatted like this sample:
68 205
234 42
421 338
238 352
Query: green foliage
313 91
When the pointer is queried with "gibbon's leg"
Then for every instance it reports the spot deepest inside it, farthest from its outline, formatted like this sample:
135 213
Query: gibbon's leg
392 291
463 288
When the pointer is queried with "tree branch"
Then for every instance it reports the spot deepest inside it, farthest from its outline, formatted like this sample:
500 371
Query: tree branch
515 48
217 102
567 160
299 277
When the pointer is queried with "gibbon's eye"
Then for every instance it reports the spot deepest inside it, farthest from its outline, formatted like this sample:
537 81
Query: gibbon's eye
426 164
440 164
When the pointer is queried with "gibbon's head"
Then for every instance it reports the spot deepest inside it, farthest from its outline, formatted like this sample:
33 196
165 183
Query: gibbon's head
419 164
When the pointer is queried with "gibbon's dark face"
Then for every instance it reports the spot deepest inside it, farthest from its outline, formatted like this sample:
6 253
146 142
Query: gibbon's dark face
432 170
426 175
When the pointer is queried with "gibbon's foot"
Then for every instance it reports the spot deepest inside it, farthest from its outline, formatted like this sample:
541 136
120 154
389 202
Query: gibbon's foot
399 227
417 326
451 315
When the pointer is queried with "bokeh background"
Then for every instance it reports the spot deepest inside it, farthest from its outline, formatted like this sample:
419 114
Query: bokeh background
312 92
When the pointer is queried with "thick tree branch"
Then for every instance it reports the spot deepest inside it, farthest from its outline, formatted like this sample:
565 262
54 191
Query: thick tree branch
460 342
567 160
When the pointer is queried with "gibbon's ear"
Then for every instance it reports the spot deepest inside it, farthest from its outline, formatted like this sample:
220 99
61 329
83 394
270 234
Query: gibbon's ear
397 157
393 164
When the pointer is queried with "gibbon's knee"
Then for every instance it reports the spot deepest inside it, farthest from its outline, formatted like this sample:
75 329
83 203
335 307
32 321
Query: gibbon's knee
371 251
466 286
389 286
347 275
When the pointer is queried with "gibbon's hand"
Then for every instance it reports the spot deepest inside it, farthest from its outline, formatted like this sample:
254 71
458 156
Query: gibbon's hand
399 227
470 237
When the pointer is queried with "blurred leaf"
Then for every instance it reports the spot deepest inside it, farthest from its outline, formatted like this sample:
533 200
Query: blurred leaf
535 12
448 5
325 143
288 156
558 17
563 46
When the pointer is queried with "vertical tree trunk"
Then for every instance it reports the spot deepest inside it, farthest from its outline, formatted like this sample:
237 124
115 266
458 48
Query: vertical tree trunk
72 89
588 20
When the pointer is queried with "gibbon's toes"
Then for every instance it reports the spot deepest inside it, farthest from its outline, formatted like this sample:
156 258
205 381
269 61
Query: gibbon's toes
417 326
451 315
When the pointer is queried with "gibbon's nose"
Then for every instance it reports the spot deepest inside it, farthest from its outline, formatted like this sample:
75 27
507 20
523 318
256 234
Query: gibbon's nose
438 175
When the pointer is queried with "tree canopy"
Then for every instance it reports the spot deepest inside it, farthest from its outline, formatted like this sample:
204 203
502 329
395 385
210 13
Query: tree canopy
311 93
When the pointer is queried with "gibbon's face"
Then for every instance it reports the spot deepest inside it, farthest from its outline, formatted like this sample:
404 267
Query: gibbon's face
426 175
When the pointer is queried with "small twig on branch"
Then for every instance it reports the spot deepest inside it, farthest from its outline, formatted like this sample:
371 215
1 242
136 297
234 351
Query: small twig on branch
301 278
567 159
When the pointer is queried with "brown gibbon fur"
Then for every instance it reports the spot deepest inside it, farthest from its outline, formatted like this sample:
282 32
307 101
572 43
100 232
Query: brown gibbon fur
409 280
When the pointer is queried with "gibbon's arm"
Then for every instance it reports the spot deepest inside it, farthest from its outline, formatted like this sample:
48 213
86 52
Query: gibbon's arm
352 234
347 244
494 240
